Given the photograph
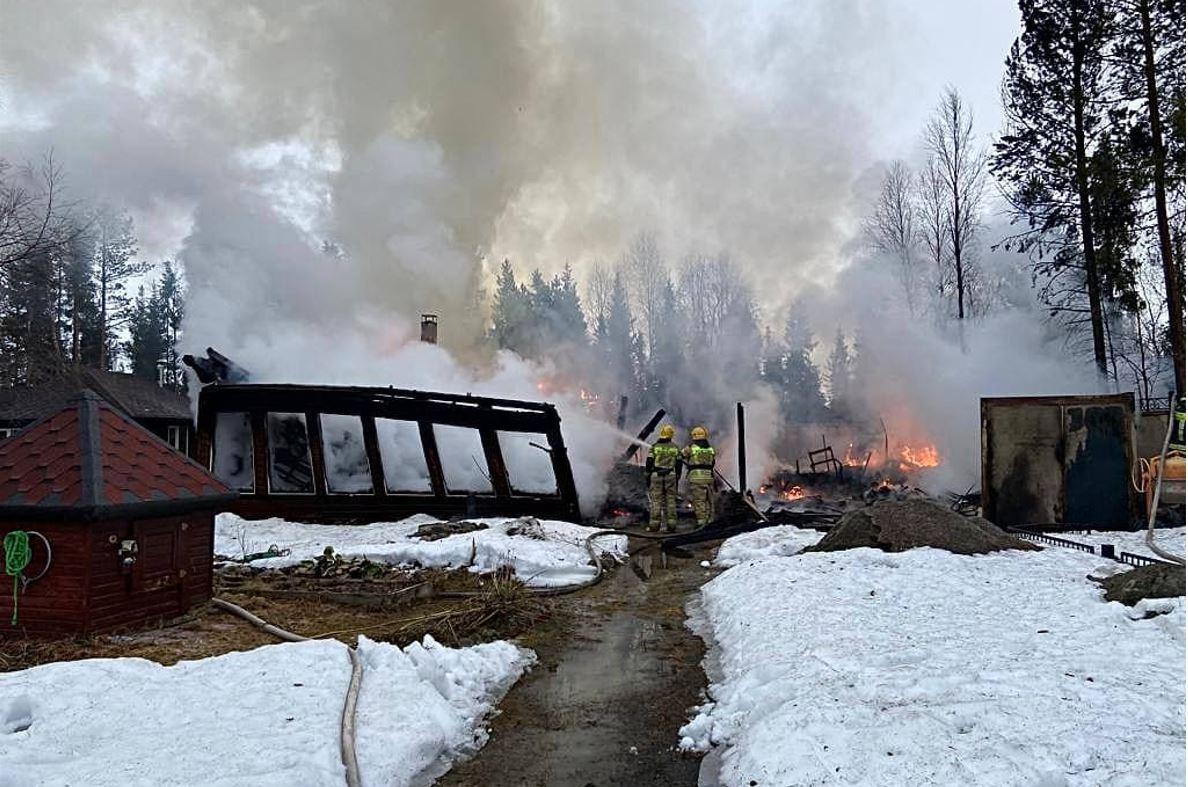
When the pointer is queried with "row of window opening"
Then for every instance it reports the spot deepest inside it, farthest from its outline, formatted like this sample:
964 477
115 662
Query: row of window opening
348 469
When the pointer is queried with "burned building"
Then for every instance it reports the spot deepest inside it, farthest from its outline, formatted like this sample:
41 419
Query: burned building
361 454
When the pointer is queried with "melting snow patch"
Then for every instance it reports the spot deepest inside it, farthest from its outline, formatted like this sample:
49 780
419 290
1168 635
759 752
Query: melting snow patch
268 716
775 541
926 667
543 553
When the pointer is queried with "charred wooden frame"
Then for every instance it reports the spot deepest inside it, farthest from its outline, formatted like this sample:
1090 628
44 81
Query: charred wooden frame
487 416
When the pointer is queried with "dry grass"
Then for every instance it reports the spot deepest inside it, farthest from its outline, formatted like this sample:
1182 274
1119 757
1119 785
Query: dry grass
469 609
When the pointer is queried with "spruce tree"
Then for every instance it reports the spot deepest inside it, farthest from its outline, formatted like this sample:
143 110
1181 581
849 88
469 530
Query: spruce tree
801 397
840 376
147 345
569 321
511 312
171 306
32 352
617 348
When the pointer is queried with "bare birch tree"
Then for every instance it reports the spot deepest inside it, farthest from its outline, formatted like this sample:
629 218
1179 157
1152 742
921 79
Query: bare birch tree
960 166
891 228
933 221
33 217
645 272
600 286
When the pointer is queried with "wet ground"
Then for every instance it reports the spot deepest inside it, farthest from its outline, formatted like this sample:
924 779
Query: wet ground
617 676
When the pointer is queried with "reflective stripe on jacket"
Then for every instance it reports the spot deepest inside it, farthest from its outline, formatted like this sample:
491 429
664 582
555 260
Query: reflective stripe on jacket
700 461
663 457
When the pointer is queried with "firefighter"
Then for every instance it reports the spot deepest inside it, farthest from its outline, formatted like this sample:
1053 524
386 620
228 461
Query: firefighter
699 458
662 471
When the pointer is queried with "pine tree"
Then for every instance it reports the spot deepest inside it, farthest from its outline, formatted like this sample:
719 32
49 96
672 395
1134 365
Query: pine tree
1055 97
1149 57
115 264
82 327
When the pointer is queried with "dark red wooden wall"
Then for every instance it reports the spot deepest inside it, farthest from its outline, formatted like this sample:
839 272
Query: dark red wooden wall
86 589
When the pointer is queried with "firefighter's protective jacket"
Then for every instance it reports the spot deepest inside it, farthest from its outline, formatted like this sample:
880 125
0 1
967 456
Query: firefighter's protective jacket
664 458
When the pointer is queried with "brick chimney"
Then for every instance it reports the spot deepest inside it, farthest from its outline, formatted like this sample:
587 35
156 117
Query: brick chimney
429 328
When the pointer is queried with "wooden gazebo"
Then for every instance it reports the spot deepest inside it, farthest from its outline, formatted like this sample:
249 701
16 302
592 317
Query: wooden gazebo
128 521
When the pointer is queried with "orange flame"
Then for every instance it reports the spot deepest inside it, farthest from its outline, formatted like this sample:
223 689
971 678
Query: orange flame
919 456
792 493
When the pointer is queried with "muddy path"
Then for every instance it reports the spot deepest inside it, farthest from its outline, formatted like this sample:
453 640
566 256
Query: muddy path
617 676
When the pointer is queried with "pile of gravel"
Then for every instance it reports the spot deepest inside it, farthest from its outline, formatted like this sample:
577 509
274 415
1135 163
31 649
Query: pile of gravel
1153 581
898 525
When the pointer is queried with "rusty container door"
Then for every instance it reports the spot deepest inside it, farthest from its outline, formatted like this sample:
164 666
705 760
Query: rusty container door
1022 463
1096 466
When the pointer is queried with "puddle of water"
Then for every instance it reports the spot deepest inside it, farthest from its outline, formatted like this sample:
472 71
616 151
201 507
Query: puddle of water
608 712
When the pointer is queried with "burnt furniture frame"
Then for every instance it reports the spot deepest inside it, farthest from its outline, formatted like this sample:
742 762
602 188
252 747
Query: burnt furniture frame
488 416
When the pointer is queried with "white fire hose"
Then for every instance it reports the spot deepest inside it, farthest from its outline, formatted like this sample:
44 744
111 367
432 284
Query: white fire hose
347 723
1171 421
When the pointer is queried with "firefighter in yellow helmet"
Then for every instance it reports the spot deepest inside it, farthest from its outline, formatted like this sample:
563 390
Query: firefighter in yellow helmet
662 471
699 459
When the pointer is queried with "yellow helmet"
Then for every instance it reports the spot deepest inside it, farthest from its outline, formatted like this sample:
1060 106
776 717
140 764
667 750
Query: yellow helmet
667 432
699 433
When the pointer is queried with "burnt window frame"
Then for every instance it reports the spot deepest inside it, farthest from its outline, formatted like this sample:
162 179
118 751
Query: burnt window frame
424 455
487 415
309 451
212 454
325 470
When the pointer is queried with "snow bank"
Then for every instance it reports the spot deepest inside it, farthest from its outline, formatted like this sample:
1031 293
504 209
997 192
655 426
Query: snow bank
543 553
767 542
268 716
1170 539
926 667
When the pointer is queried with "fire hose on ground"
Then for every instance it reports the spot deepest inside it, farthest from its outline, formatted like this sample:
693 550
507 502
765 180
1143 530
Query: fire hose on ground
347 726
1171 421
595 557
350 758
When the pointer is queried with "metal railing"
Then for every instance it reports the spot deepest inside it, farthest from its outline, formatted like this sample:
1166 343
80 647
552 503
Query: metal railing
1141 560
1105 550
1054 540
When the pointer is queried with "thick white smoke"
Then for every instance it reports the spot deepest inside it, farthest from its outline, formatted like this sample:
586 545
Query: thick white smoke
925 377
418 137
421 138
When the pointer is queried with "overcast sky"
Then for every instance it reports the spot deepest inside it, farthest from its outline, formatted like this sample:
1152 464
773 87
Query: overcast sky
419 134
958 42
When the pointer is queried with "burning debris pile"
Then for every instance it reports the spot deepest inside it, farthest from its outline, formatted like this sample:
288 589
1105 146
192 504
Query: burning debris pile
899 525
626 492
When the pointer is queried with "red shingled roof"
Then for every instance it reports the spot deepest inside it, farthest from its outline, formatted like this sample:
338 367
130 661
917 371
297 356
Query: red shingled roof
91 456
